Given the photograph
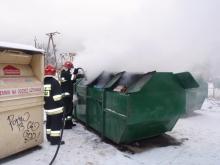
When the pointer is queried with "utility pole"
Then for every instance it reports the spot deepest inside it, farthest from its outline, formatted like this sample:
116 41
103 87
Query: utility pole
72 55
50 35
62 56
35 42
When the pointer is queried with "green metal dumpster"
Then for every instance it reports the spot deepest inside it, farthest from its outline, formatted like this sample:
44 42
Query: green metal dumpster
216 82
216 90
195 97
90 95
127 107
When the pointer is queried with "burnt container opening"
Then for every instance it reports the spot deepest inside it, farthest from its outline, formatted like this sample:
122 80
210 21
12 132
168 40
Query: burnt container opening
101 80
126 80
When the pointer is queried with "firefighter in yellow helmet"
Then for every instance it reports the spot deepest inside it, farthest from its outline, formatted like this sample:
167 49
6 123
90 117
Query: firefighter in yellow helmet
53 106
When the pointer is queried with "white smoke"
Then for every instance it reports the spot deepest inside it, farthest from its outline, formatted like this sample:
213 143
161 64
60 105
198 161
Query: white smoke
113 35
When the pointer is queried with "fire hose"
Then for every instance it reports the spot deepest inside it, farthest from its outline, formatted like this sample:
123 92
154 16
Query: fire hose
63 121
63 124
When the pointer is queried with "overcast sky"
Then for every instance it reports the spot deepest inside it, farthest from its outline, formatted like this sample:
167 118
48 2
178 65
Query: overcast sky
133 35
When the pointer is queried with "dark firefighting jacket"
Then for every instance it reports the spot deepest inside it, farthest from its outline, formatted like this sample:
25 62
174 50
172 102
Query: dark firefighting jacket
52 96
67 81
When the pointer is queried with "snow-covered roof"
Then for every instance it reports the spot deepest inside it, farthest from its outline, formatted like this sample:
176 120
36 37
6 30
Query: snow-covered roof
16 46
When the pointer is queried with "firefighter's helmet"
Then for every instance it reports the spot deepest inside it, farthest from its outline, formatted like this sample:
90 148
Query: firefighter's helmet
68 65
50 70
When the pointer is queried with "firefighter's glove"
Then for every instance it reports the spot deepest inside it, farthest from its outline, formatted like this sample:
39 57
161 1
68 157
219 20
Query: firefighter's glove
76 71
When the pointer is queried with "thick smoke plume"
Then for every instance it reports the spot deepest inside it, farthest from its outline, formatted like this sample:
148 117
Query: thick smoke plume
131 35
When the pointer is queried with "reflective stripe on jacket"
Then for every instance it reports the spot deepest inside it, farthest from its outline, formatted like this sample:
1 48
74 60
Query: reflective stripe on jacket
57 97
54 111
55 133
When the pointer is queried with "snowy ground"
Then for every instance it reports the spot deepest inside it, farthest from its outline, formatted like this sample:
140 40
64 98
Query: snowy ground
195 140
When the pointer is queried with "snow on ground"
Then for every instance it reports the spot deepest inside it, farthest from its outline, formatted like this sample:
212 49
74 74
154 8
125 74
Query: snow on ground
211 105
194 141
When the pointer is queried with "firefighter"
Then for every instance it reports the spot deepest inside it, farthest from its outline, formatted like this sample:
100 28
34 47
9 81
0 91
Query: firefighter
53 106
67 81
